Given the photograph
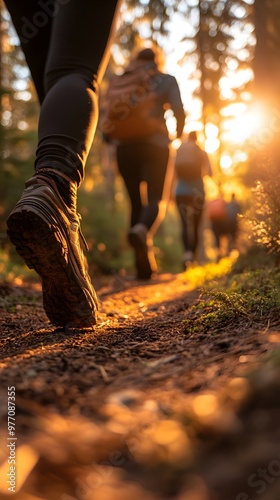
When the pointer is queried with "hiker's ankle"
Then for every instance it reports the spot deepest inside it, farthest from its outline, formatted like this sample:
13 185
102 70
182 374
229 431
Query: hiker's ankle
66 187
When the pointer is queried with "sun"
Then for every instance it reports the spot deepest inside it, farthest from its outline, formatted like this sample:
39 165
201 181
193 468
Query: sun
241 122
246 123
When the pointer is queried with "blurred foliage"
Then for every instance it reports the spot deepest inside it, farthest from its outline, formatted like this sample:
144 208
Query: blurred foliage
13 270
219 22
19 116
264 215
199 275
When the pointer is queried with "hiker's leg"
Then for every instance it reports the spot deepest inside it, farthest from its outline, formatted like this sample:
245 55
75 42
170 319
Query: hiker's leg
70 110
197 216
127 160
154 167
44 225
130 162
65 47
232 235
216 232
185 209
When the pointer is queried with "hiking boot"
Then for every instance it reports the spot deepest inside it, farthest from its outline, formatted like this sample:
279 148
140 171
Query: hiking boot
47 235
137 237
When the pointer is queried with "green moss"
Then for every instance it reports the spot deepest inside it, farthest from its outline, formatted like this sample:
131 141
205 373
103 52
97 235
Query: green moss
232 299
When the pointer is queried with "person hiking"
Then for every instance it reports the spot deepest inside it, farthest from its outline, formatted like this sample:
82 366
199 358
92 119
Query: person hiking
233 211
142 147
223 217
191 165
65 44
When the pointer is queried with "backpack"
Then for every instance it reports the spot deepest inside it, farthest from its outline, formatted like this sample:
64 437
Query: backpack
130 101
188 162
216 209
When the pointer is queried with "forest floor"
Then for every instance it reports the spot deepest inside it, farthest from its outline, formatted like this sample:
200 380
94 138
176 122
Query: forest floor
141 407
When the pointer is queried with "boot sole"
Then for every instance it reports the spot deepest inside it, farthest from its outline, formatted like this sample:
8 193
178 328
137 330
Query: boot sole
68 300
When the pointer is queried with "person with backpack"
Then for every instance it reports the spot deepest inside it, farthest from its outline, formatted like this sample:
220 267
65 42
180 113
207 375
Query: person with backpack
135 121
224 219
191 165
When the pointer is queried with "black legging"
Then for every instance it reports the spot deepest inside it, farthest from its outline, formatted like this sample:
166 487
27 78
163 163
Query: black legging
64 42
190 209
146 162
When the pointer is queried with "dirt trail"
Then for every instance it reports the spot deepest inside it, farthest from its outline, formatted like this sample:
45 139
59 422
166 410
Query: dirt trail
139 368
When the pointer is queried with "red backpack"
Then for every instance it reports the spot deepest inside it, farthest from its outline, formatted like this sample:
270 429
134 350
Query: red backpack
216 209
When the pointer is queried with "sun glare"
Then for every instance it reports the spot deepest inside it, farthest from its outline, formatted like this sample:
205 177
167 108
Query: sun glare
211 145
225 162
246 124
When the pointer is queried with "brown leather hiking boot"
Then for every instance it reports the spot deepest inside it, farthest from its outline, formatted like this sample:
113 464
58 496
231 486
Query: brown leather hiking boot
47 235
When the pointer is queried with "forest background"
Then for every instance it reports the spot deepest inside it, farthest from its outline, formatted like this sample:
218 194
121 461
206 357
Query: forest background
225 55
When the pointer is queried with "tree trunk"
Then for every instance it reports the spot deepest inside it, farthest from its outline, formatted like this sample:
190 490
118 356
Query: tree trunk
266 85
262 60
